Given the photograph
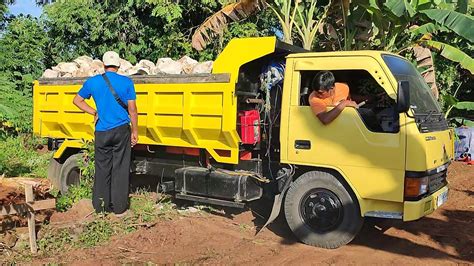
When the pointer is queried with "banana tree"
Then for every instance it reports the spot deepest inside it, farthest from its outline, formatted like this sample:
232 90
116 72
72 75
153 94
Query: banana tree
451 103
215 24
392 25
306 23
285 11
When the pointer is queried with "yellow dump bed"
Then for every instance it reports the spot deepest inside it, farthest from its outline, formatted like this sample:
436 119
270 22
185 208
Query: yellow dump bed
196 111
187 111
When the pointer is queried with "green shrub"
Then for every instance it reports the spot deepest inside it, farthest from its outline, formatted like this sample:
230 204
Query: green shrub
84 189
74 194
87 163
96 232
18 157
15 109
55 240
143 207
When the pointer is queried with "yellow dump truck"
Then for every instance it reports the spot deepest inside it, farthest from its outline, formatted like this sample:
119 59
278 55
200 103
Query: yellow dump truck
246 131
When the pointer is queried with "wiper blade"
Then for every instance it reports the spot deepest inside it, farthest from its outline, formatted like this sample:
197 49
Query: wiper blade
428 115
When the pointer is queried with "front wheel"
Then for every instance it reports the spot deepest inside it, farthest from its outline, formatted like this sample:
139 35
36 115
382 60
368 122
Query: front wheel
321 212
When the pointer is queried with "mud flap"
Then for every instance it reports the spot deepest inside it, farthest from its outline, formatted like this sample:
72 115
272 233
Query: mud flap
277 203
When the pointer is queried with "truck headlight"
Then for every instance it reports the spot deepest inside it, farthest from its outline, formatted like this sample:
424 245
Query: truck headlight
415 187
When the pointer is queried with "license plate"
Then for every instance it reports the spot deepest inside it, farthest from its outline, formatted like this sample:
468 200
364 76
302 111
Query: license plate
442 198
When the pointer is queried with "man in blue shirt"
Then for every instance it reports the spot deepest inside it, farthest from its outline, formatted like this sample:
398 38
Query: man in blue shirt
113 139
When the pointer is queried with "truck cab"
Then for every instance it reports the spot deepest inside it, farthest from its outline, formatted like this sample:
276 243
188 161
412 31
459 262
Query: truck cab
386 159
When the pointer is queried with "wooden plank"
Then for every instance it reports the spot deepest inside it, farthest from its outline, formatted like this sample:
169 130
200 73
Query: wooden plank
149 79
25 207
30 197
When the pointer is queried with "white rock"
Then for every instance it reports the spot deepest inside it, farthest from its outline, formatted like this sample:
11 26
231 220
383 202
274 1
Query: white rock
168 66
138 70
163 60
97 67
83 61
49 73
58 67
121 72
204 67
146 64
67 75
193 210
68 67
125 65
85 71
188 64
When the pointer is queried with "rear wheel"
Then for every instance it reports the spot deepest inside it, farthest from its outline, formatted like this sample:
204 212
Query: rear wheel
70 173
321 212
54 169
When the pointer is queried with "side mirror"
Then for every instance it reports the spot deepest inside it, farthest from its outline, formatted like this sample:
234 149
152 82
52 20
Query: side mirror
403 96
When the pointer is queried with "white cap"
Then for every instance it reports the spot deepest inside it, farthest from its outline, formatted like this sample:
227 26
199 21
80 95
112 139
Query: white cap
111 58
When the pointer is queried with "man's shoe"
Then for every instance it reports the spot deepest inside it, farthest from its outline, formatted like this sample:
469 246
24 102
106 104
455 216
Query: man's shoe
120 215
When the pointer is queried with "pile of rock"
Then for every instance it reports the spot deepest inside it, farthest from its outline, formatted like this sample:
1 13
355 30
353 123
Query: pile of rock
85 66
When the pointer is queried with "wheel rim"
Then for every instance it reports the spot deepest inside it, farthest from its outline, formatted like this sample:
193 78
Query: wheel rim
73 177
321 210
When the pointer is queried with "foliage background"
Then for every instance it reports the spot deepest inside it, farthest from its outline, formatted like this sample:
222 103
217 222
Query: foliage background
150 29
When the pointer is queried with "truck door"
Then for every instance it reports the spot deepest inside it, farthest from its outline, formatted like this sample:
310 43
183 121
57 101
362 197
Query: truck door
372 161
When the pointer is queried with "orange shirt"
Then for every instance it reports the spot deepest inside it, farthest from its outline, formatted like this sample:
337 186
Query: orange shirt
318 105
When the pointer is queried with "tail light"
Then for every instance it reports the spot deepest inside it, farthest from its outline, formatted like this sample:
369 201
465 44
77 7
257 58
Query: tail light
415 187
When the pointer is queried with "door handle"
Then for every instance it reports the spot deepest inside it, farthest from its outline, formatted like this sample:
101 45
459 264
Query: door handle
303 144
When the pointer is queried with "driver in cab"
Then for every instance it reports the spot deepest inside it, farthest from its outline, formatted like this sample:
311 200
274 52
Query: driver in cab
327 92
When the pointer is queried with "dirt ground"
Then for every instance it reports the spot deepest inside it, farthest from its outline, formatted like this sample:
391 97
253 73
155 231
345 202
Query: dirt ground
444 237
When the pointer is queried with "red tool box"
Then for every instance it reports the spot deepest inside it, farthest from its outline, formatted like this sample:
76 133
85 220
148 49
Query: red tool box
250 126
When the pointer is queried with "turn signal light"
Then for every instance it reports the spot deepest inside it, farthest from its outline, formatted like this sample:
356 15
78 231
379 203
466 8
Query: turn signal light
415 187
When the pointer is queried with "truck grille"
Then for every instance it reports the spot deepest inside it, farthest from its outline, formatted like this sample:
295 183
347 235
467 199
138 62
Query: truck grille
433 126
437 181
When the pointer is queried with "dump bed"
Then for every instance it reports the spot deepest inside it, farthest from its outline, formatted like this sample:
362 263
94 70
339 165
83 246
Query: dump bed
196 111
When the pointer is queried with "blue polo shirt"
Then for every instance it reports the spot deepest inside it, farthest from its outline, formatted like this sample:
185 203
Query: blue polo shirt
111 114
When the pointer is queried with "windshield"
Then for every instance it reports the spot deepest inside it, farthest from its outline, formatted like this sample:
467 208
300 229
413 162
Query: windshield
422 100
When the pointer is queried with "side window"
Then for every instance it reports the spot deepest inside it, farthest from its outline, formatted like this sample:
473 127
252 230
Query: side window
377 110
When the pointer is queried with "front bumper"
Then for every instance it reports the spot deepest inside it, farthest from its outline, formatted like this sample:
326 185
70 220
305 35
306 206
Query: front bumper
414 210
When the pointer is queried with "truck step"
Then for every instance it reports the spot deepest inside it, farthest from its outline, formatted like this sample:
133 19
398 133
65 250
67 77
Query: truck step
211 201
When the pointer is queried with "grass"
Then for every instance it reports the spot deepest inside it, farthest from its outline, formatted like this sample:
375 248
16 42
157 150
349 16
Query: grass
74 194
19 157
144 212
146 209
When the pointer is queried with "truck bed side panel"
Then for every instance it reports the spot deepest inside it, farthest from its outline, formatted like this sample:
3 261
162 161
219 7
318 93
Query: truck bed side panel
195 115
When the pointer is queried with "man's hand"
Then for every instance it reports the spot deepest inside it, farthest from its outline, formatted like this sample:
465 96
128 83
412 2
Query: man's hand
132 111
81 104
328 117
347 103
134 138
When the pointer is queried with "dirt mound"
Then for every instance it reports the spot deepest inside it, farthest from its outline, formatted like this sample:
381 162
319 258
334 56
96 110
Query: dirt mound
229 238
80 212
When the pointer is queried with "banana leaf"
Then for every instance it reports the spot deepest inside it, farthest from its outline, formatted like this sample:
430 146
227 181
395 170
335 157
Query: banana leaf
452 53
215 24
455 21
469 106
399 7
428 28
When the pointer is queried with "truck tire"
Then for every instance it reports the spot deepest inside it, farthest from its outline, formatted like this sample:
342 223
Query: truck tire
54 168
70 173
321 212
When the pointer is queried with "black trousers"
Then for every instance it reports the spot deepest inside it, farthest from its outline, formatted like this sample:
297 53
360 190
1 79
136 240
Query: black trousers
112 170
